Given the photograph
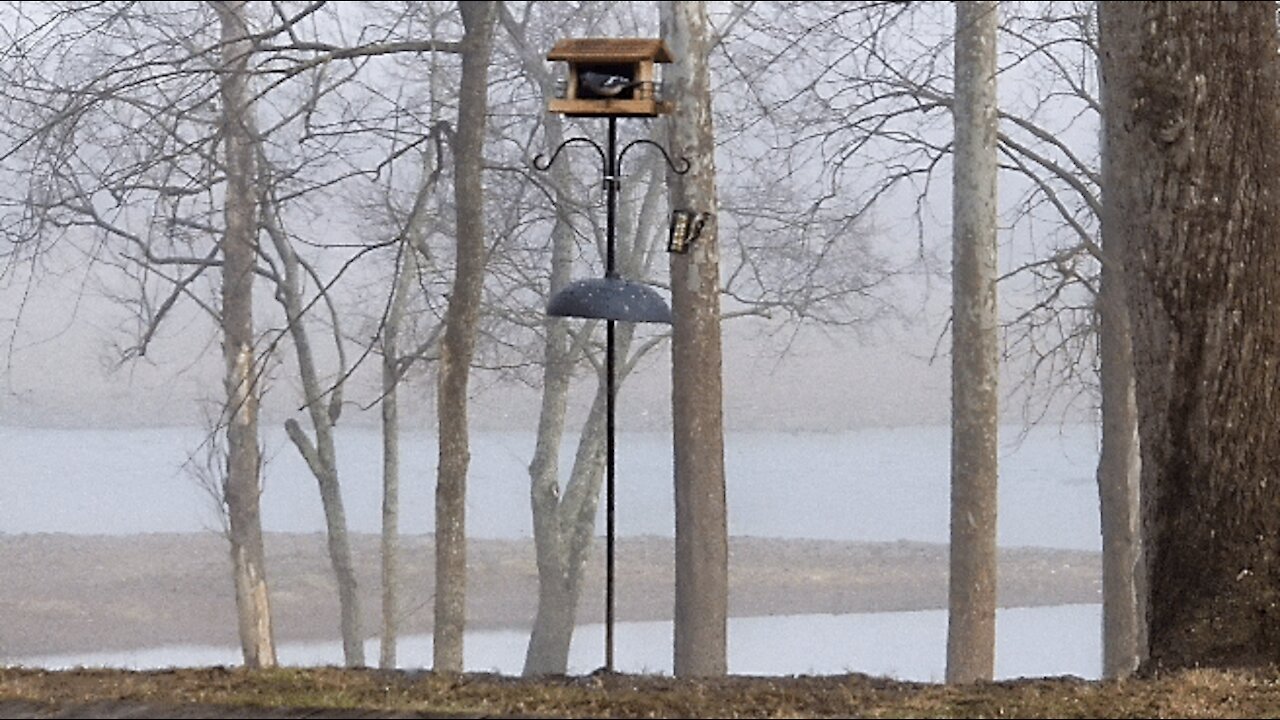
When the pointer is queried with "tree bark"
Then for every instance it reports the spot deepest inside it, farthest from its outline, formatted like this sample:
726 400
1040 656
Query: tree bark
701 534
390 537
1193 120
239 252
975 358
458 344
321 458
1119 463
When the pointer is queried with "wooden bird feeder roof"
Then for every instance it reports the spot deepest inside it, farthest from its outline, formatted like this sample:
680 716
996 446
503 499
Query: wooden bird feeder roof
610 50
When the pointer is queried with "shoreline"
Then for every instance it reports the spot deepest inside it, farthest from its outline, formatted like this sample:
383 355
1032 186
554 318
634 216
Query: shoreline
68 594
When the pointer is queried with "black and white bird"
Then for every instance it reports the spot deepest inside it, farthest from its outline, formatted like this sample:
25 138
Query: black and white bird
605 85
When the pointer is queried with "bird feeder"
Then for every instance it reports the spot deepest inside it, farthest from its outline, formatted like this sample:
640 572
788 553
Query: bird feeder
610 77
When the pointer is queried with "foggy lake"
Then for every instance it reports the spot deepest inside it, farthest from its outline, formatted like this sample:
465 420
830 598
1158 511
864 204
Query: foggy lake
872 484
861 485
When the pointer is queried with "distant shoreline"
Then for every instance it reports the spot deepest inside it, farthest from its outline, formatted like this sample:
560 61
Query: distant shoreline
67 593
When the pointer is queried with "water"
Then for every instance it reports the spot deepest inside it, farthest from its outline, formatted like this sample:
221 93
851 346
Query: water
872 485
876 484
903 645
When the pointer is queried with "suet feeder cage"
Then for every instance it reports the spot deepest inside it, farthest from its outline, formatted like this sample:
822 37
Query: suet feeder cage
633 89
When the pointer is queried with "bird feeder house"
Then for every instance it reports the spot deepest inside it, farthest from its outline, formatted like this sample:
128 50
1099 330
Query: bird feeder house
611 77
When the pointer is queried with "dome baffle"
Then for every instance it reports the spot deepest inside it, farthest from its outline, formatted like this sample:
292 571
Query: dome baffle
610 299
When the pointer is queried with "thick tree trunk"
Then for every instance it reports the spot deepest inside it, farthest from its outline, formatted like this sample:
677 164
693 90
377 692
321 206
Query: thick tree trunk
564 530
458 344
975 358
701 534
548 650
564 525
1194 122
1119 463
239 252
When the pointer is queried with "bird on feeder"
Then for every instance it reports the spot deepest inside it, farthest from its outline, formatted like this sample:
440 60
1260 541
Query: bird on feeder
606 84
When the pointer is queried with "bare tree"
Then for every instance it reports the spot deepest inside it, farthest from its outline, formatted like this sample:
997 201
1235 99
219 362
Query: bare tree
239 250
389 408
975 356
787 260
319 453
144 120
878 79
564 517
1192 120
560 547
458 343
130 151
395 365
702 539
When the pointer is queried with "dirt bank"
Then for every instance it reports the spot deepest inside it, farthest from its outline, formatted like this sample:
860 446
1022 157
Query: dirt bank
74 593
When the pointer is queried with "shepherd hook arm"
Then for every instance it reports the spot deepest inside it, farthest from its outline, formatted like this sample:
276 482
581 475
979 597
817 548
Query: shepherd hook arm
677 169
541 164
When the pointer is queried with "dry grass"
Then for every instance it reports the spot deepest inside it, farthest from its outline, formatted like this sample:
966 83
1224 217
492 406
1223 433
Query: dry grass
329 692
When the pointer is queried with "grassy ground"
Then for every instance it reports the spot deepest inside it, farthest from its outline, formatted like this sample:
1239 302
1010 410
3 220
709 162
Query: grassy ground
329 692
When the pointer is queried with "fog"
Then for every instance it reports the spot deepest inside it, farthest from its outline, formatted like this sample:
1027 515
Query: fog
802 400
65 322
65 365
65 371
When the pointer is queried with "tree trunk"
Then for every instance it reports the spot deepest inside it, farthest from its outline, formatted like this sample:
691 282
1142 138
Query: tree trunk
1194 123
548 651
390 411
567 533
320 456
322 460
458 344
239 251
1119 463
390 539
701 534
1118 468
975 354
552 633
